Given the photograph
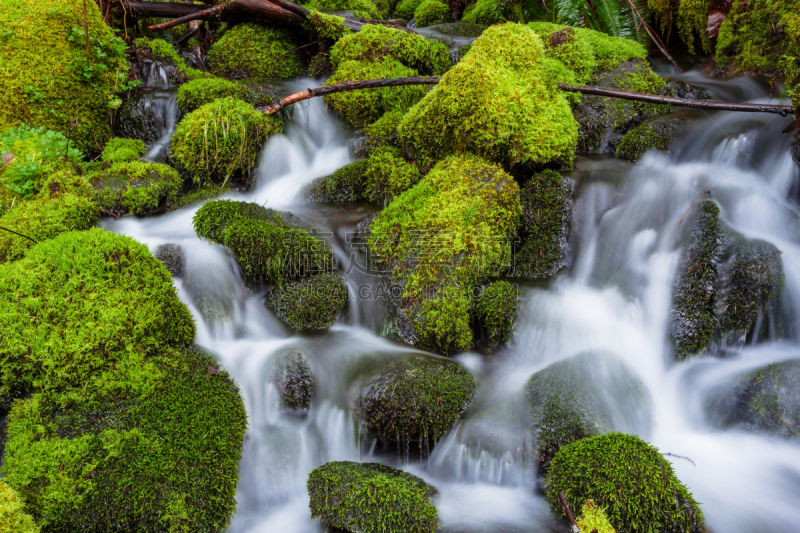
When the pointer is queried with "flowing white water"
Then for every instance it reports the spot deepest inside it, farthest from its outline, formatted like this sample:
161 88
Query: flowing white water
615 299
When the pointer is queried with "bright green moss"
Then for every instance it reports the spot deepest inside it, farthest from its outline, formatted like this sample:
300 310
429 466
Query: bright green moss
488 12
431 12
497 103
437 239
221 140
154 446
46 78
119 150
627 477
13 518
77 304
374 42
416 398
572 50
327 26
543 234
370 497
366 106
382 132
250 50
309 304
654 135
164 51
343 186
496 311
360 8
197 93
292 378
136 188
388 175
405 8
768 400
593 518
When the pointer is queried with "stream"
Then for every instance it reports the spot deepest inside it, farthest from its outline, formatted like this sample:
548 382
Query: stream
614 297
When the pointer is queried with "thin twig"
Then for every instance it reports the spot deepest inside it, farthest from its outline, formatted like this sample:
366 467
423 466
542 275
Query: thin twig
655 37
187 18
107 212
563 500
679 457
86 29
20 234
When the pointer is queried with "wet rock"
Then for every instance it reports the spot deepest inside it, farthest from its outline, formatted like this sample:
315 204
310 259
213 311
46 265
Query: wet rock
346 185
292 378
653 135
139 117
214 288
586 395
173 257
495 312
415 398
135 188
370 497
461 29
500 429
309 304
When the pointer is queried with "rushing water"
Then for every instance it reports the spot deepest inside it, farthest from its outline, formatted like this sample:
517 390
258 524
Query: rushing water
615 298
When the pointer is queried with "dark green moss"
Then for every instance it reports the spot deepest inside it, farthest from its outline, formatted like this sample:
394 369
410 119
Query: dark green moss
119 150
153 446
360 8
416 398
654 135
343 186
135 188
309 304
431 12
197 93
370 497
173 257
405 8
388 175
462 29
496 311
292 378
628 477
543 233
251 50
382 132
487 12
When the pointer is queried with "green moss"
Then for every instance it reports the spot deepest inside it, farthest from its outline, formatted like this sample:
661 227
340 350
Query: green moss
405 8
461 29
370 497
696 284
593 518
221 140
654 135
360 8
543 246
45 75
13 518
768 400
382 132
292 378
416 398
388 175
136 188
250 50
496 311
197 93
77 304
154 445
489 12
629 478
436 240
327 26
690 16
431 12
366 106
119 150
164 51
343 186
572 50
375 42
497 103
309 304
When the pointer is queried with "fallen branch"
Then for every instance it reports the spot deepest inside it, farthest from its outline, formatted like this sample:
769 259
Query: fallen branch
679 457
187 18
20 234
656 38
563 500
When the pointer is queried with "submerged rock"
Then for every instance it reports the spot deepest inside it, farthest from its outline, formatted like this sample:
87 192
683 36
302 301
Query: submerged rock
292 378
346 185
629 478
135 188
371 497
653 135
310 304
139 117
416 398
173 257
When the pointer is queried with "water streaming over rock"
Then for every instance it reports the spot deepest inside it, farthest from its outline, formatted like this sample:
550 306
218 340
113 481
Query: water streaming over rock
615 299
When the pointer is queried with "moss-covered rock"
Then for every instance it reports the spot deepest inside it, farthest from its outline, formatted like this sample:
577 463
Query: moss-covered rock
327 27
415 398
360 8
382 132
405 8
292 379
154 445
177 70
627 477
487 12
496 311
388 175
343 186
81 302
543 246
431 12
309 304
138 117
119 150
370 497
135 188
375 42
46 78
197 93
173 257
254 51
653 135
461 29
221 140
585 395
13 518
496 102
438 239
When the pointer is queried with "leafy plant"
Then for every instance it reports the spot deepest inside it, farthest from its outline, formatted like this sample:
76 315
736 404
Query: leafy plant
614 17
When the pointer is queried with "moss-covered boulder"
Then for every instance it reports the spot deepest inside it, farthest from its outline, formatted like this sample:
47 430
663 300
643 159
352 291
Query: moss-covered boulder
461 29
487 12
542 248
81 302
627 477
173 257
221 140
254 51
495 312
585 395
197 93
436 240
653 135
119 150
388 175
431 12
292 379
375 42
415 398
346 185
382 132
309 304
360 8
370 497
405 8
153 445
46 77
497 103
135 188
13 518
